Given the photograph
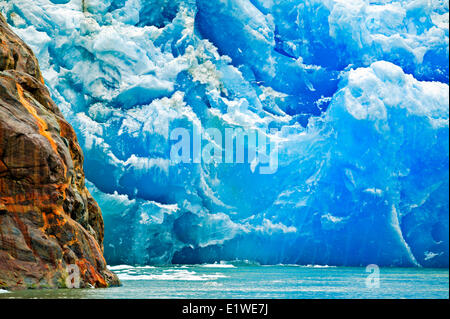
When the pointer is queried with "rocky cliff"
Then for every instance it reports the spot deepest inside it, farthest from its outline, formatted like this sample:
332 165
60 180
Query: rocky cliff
48 219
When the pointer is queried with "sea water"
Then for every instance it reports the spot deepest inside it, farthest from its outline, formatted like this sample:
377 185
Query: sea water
240 280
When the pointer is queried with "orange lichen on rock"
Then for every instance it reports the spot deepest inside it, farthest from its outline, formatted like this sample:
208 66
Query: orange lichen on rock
43 128
88 271
48 219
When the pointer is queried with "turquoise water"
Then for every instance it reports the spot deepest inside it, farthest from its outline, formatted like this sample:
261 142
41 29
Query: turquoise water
252 281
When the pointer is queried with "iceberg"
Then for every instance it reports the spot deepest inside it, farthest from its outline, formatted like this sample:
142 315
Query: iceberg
354 94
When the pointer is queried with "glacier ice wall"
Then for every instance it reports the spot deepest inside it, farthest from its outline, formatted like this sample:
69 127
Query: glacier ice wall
355 92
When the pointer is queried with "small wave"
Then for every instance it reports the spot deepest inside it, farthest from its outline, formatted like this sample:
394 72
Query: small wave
213 284
171 274
304 266
119 267
218 265
2 291
126 276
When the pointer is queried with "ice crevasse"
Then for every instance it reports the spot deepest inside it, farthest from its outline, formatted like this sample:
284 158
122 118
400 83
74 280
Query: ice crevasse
354 93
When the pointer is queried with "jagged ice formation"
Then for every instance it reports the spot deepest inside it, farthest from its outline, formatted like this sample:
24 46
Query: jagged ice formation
356 92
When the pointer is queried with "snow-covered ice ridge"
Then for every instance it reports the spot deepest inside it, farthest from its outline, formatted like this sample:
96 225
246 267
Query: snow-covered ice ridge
356 90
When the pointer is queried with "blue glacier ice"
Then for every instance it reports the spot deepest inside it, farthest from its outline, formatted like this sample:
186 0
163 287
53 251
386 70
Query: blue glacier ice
354 93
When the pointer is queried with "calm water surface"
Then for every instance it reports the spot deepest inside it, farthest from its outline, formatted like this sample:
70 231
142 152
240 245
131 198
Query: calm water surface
251 281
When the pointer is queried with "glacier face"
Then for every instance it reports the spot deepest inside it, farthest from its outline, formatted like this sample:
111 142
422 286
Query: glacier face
354 93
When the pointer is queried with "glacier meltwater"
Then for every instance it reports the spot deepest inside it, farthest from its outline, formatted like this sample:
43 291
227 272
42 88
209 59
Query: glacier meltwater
353 93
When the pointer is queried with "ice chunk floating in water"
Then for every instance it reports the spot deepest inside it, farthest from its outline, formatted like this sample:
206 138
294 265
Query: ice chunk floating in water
355 92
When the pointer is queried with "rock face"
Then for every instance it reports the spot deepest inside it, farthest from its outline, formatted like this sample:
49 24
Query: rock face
48 219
